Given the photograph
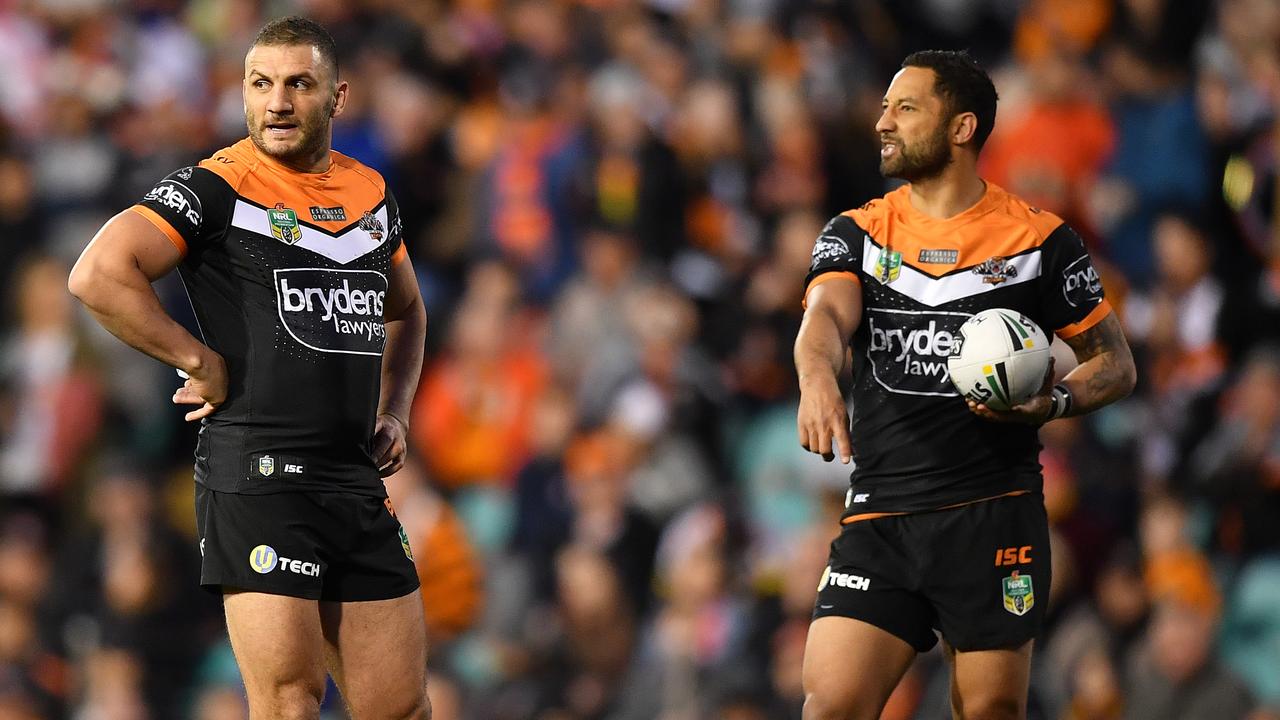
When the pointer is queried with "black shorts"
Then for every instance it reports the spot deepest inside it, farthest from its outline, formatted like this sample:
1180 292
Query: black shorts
978 573
319 546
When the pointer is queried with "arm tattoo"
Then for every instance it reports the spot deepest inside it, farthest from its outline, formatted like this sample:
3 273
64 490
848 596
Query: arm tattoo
1106 364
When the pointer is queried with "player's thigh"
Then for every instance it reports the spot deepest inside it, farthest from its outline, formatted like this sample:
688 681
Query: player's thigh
377 653
278 645
991 684
850 668
868 623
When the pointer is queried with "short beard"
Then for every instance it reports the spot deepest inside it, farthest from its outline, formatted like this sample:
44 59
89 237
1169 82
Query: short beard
313 140
923 164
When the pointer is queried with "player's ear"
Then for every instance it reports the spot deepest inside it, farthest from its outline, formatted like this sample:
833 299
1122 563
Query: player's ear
964 128
339 99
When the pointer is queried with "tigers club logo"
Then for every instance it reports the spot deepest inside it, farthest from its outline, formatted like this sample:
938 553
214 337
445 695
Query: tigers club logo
372 225
995 270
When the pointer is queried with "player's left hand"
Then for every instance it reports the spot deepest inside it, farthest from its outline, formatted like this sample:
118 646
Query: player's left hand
389 443
1033 411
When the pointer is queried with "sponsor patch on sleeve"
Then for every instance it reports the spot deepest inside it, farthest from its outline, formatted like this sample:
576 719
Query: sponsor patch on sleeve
178 199
1081 286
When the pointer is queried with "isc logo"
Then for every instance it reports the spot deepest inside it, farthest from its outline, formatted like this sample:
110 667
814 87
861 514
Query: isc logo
290 468
1013 556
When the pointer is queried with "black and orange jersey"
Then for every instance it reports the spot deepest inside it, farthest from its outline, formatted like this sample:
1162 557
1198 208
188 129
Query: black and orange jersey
287 273
916 446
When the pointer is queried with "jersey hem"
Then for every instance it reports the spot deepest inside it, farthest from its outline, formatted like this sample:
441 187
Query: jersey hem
307 488
847 520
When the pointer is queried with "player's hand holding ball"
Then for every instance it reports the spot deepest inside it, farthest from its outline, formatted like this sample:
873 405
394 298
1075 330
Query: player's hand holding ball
1003 367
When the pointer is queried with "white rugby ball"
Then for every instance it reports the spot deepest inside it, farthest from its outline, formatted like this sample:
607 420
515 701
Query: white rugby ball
1000 360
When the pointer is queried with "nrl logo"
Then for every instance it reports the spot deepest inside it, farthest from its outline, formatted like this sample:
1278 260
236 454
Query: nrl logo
284 224
266 465
995 270
888 266
1019 595
371 225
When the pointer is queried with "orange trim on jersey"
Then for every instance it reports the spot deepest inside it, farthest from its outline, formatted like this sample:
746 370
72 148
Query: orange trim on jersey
261 179
873 516
163 226
998 225
400 255
845 274
1095 316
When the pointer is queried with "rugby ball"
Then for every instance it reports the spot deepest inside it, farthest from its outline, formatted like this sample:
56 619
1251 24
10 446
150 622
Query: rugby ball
1000 360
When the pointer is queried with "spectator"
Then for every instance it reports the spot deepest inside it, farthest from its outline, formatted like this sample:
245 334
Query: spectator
53 394
1175 675
471 416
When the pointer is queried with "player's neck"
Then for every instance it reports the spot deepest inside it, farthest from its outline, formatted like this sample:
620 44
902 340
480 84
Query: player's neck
954 190
317 163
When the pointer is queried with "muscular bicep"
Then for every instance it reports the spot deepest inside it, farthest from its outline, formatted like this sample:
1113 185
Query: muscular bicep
1104 352
128 243
1105 337
402 290
839 299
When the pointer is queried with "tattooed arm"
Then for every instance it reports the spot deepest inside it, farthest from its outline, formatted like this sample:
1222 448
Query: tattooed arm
1106 372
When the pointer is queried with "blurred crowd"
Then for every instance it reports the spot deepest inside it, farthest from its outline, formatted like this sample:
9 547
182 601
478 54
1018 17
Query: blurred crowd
610 206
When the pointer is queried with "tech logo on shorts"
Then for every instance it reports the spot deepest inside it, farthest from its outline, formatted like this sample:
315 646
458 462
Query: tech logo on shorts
842 580
263 559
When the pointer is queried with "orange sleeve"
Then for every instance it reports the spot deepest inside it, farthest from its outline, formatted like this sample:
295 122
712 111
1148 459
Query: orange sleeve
845 274
163 226
1095 316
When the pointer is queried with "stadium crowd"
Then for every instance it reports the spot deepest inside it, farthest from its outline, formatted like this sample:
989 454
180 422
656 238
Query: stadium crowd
610 206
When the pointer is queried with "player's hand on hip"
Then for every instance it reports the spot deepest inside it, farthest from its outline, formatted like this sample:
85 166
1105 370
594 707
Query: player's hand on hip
1032 411
389 443
822 417
206 387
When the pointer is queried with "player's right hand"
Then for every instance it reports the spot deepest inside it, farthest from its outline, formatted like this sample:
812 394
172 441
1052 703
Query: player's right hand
206 387
823 416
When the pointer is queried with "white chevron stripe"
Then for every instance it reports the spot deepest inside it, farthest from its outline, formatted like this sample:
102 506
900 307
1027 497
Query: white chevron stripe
351 244
933 291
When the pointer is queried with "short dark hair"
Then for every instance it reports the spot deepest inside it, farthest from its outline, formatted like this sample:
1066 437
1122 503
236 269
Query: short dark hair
963 86
295 30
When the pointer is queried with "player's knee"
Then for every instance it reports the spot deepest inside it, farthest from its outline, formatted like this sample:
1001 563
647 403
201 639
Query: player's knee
819 705
294 701
993 707
414 709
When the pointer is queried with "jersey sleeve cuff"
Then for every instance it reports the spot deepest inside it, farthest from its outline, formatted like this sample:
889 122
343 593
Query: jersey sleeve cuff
399 256
163 226
824 277
1095 316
